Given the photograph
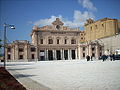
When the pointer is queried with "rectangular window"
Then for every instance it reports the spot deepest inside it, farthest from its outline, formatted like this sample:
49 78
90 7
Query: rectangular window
20 56
83 54
73 41
21 49
41 41
33 56
96 27
9 56
57 41
83 48
65 41
93 49
93 54
33 49
50 41
9 49
102 25
91 28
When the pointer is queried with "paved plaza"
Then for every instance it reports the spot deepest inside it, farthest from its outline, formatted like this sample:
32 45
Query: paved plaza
67 74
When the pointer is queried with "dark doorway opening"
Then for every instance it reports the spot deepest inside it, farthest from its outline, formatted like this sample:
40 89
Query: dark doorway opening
66 54
58 54
73 54
33 56
50 55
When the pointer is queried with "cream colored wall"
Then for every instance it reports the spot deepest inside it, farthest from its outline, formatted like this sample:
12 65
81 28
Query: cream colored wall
101 29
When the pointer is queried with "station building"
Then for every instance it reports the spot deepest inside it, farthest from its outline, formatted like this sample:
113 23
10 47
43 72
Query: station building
59 42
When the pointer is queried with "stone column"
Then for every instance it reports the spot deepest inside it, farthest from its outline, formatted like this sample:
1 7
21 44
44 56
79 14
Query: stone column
54 55
46 54
16 52
76 54
87 50
70 54
97 52
79 55
61 54
90 50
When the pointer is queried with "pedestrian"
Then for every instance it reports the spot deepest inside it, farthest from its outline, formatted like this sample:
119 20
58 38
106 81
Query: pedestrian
103 57
91 58
88 58
113 57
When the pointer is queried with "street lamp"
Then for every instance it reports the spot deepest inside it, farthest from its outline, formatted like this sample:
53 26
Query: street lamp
5 39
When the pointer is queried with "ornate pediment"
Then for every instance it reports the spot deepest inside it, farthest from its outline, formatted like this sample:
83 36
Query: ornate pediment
57 22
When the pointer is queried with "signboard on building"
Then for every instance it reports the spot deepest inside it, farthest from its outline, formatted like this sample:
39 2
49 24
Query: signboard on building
42 53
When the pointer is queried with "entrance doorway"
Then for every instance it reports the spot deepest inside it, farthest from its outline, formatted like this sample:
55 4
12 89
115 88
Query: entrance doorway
66 54
73 54
50 55
58 54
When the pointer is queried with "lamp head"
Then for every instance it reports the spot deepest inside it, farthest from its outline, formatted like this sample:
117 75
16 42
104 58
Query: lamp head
12 27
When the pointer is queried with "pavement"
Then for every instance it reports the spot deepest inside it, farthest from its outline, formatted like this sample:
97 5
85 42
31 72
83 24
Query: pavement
27 82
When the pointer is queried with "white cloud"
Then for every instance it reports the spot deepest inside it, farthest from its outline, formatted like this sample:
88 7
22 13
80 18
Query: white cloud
47 21
87 4
79 19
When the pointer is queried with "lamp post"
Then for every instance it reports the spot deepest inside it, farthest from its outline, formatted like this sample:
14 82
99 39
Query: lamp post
5 39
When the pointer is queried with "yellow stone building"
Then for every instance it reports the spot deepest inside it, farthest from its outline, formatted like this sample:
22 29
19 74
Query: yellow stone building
102 28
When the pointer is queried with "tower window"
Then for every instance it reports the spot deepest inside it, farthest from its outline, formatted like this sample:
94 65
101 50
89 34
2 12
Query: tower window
91 28
96 26
102 25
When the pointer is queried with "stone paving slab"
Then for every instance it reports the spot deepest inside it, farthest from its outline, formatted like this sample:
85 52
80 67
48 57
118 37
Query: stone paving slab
27 82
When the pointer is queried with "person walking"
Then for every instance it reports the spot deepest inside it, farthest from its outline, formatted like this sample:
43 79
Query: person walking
113 57
103 57
91 58
88 58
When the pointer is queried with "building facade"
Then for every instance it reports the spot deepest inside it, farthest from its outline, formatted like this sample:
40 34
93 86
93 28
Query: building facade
59 42
102 28
56 42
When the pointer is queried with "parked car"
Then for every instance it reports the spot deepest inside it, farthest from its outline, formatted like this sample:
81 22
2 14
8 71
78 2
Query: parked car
117 57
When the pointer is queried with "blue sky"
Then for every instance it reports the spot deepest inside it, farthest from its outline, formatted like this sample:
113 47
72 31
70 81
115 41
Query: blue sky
26 13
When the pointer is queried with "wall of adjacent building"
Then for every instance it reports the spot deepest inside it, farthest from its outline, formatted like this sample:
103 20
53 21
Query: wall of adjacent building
102 28
111 44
